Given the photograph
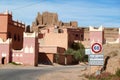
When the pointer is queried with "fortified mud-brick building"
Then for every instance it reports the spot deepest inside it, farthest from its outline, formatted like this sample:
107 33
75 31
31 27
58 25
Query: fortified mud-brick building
11 29
47 19
54 41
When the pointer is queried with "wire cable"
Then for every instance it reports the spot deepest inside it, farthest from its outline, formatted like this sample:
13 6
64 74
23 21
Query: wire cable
28 5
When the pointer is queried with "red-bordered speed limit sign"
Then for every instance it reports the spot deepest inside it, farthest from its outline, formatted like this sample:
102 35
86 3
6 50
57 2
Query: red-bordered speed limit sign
96 47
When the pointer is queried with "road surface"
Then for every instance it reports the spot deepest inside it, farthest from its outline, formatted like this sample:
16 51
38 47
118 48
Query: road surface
31 73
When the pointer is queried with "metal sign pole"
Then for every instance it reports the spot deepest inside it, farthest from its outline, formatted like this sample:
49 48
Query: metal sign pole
89 66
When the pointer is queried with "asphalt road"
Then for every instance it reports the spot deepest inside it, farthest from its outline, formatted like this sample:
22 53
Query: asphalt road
30 73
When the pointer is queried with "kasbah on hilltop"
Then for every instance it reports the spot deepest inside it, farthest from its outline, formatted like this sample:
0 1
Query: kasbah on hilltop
47 38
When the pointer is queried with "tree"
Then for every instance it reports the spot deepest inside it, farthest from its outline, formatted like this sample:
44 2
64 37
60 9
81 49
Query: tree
69 51
78 51
75 46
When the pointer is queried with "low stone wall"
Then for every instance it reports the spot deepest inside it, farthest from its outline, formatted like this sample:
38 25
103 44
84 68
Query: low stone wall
113 42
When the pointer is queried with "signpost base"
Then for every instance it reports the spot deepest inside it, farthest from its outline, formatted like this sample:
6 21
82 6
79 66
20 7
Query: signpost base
95 70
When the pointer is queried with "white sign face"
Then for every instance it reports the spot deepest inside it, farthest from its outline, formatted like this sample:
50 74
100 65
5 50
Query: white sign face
96 48
96 60
87 51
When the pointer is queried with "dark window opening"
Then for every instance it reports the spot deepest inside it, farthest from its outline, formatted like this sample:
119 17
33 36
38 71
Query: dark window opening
81 36
15 38
18 38
76 35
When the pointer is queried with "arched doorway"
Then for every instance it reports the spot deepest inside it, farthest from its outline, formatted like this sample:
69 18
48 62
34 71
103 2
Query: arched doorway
3 60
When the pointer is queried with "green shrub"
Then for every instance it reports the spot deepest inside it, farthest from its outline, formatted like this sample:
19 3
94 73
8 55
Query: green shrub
118 72
69 51
15 63
78 51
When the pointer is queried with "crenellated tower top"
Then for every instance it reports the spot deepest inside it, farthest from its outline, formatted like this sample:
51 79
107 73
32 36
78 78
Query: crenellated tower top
94 29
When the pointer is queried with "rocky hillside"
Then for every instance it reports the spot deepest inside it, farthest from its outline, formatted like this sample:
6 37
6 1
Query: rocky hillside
113 52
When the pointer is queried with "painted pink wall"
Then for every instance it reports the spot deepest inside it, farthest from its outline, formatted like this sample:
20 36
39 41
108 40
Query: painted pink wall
5 49
97 36
17 56
31 58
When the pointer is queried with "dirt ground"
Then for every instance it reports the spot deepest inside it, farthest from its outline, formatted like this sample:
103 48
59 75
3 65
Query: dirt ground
69 74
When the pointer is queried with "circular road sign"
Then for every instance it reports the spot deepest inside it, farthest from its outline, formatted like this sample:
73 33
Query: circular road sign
96 47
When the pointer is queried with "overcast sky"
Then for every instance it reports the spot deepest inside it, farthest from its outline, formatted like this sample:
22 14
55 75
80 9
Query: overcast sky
86 12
